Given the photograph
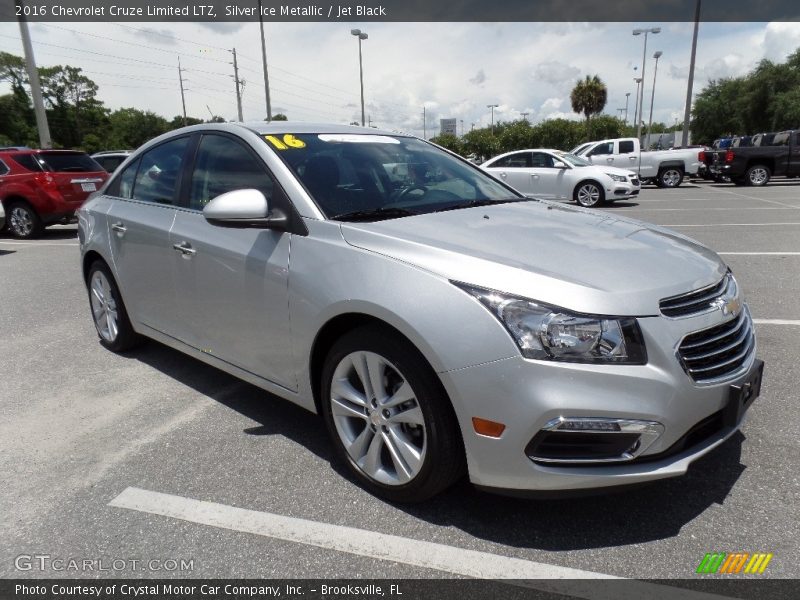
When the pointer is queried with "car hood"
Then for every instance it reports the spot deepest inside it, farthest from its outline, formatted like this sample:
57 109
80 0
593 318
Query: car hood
584 260
608 169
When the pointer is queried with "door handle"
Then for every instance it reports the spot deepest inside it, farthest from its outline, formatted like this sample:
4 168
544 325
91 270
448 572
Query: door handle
119 228
610 160
185 248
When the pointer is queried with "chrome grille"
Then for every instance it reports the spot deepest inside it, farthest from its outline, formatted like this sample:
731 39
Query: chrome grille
699 301
719 352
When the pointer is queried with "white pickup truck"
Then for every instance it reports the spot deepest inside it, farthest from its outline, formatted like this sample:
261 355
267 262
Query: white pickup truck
666 168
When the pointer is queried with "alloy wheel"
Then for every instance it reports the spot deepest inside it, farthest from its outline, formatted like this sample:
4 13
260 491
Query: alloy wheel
21 221
104 308
588 195
378 418
671 178
758 176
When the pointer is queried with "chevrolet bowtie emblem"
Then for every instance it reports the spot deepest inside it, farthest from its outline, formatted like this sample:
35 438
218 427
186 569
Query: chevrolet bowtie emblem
730 306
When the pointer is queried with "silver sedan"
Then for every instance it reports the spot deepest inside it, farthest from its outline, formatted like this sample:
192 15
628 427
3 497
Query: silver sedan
557 175
442 323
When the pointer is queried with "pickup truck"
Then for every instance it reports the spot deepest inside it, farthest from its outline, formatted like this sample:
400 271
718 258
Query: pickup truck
666 168
755 165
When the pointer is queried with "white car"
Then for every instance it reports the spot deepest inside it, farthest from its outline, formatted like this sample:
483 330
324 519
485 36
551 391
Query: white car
557 175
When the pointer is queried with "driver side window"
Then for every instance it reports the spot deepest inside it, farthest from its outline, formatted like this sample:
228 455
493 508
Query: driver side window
601 149
223 165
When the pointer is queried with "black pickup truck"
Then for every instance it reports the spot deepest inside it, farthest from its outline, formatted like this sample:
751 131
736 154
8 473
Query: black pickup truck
755 165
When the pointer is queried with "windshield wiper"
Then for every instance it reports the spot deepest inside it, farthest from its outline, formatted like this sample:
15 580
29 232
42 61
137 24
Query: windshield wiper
485 202
375 214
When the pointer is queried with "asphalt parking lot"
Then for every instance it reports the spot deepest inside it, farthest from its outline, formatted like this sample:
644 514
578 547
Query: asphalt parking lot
90 441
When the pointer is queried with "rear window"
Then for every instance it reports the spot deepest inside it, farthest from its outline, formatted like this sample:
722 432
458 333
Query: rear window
626 147
27 161
68 162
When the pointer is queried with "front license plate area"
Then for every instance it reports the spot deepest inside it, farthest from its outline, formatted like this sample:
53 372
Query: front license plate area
742 396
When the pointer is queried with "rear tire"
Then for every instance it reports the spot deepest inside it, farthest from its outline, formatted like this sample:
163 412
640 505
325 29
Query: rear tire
22 221
108 310
406 451
757 175
669 177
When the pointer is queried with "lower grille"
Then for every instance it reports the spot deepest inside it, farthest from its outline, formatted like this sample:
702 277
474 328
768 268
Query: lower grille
719 352
635 181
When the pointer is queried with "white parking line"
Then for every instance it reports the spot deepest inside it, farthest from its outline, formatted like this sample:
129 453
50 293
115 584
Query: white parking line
776 322
428 555
36 243
703 209
759 253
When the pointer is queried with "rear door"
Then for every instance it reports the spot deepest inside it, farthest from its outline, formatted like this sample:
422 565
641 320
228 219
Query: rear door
232 283
794 160
515 170
139 221
546 179
75 174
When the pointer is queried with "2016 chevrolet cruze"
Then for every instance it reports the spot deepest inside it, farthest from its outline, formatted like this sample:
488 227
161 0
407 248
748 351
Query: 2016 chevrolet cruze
441 322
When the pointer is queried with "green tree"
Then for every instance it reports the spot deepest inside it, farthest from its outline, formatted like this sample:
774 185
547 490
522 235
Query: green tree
449 141
517 135
589 97
715 110
280 117
17 121
177 122
73 109
561 134
481 143
131 127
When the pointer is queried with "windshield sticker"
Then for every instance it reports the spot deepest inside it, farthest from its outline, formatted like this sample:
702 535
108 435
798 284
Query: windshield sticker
357 139
288 141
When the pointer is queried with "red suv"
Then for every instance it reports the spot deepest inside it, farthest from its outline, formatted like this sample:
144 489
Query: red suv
43 187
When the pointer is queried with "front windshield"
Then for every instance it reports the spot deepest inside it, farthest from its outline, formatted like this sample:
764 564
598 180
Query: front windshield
579 149
575 161
350 175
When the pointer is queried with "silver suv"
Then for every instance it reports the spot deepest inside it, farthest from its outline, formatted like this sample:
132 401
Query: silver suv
440 322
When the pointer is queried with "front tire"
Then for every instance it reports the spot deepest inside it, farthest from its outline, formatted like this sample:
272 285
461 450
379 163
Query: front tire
108 310
389 417
757 175
589 194
23 222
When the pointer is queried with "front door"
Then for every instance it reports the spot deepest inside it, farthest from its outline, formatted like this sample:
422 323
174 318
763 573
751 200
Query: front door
232 283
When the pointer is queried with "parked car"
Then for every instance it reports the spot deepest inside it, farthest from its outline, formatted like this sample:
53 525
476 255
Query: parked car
43 187
111 159
666 168
441 323
755 165
2 216
557 175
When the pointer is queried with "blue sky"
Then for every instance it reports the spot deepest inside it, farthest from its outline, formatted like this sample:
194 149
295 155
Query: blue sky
453 69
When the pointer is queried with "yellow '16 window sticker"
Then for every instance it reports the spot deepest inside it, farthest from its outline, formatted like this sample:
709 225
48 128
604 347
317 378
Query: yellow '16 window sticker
288 141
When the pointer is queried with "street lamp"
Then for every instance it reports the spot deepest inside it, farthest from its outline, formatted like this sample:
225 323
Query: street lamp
640 97
525 115
361 36
492 106
657 55
627 99
638 81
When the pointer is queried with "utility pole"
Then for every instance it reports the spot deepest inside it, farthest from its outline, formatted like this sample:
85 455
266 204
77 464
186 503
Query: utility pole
627 99
688 111
492 106
264 62
33 78
236 80
183 97
424 124
462 127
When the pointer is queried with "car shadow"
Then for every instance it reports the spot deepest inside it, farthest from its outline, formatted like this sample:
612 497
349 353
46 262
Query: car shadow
636 515
49 233
621 204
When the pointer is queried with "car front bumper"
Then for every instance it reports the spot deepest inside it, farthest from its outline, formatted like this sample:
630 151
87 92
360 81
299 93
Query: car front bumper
525 395
618 190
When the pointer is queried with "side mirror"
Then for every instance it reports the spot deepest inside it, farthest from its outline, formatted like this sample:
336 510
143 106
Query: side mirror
244 208
561 165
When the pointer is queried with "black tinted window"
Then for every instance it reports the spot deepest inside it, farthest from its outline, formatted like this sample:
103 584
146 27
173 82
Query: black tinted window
110 163
517 160
27 161
606 148
160 168
541 160
3 168
223 165
62 162
626 147
123 185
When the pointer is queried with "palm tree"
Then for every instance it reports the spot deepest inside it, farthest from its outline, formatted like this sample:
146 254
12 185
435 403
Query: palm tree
589 97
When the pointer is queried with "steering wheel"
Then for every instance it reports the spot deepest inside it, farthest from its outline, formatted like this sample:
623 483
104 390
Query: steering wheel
411 188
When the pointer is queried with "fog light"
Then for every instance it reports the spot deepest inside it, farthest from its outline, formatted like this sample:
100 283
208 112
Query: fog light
589 426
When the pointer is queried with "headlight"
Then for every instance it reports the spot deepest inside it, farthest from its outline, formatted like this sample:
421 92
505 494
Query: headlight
550 333
621 178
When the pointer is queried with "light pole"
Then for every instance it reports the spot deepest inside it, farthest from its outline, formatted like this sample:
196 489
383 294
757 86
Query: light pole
688 111
525 115
657 55
361 36
264 61
640 98
492 106
638 81
627 99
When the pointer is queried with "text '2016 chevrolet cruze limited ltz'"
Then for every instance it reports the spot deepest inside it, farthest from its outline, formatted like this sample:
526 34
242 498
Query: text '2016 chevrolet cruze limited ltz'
440 322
